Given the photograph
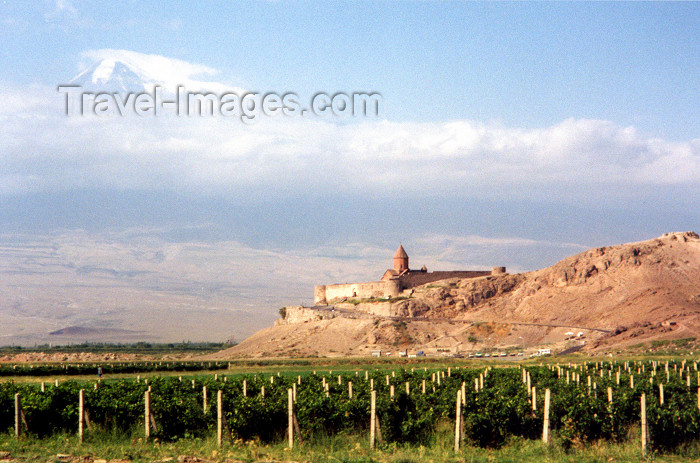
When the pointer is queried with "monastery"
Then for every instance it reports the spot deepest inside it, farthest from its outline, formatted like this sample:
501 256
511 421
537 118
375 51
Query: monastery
394 281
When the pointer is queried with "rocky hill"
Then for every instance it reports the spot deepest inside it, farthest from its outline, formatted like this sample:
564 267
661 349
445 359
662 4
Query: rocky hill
604 298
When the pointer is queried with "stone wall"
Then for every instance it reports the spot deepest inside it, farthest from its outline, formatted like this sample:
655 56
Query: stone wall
414 279
327 294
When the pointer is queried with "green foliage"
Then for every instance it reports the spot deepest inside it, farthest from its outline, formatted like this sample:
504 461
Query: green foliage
492 417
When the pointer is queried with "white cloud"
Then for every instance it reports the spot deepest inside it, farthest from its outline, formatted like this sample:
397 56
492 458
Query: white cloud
161 70
41 149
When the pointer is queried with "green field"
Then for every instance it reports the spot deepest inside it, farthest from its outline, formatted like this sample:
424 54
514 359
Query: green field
498 419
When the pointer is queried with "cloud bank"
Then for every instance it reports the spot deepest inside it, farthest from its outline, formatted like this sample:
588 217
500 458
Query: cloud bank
43 150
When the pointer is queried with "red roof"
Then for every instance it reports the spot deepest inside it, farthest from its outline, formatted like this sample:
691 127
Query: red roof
400 253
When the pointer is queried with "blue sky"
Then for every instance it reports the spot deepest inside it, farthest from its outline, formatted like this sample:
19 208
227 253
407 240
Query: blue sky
525 64
512 134
569 122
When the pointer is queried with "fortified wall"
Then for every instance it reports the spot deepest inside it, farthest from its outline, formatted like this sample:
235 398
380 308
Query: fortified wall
394 281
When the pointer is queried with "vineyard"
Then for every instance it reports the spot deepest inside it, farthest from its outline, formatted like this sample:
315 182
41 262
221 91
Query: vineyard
74 369
486 406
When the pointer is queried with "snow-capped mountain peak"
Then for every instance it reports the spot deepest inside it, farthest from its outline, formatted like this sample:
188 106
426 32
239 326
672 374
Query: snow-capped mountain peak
124 71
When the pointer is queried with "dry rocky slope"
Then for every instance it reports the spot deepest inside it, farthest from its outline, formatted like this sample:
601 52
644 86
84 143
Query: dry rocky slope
615 296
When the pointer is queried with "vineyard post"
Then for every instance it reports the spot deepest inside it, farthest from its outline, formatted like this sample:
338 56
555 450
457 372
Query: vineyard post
18 408
349 389
661 394
464 393
43 387
529 387
294 391
617 377
458 415
372 419
371 384
610 405
219 416
449 372
147 414
245 388
391 391
476 384
423 387
408 388
699 398
262 391
56 383
545 424
631 381
290 418
387 380
644 423
204 399
481 381
81 413
340 382
534 398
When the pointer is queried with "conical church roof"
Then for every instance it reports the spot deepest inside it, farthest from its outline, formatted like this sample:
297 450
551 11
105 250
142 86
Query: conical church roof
400 253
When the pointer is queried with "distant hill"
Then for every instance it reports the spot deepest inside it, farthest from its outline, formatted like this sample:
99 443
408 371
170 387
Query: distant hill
608 298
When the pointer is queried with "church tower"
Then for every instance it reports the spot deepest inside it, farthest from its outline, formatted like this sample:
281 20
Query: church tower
400 260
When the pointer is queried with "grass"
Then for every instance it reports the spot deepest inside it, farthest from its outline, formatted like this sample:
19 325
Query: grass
143 348
340 448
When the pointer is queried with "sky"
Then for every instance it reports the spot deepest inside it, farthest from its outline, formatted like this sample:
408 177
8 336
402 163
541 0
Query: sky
531 130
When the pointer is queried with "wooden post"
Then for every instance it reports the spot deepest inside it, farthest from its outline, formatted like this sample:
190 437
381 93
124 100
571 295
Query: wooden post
661 394
262 391
391 391
372 419
476 384
219 417
423 387
458 416
147 414
43 387
534 398
464 393
371 384
290 418
204 398
81 413
644 423
545 424
408 388
18 411
529 387
245 388
349 389
294 392
631 381
481 381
